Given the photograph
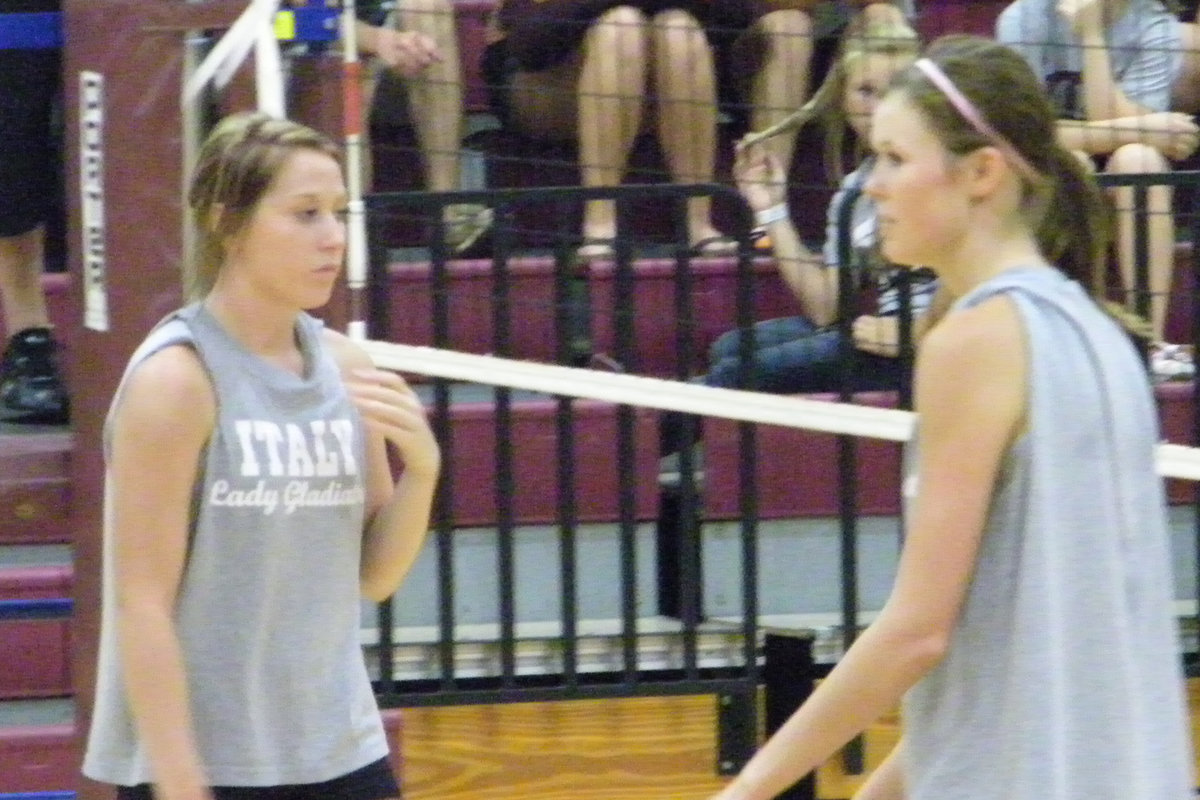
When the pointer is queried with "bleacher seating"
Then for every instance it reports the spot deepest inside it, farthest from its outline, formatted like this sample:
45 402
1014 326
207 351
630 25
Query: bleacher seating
939 17
35 488
470 295
473 465
650 309
795 470
36 660
38 758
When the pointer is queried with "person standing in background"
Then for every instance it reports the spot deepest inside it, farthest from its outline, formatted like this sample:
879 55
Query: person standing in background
31 385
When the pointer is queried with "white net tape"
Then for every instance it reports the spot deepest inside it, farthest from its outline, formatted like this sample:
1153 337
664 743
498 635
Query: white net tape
1174 461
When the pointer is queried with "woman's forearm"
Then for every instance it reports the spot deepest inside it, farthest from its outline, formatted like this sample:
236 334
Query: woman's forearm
395 535
1102 137
869 681
810 281
156 686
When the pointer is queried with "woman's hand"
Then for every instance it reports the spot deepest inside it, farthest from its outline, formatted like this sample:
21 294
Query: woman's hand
392 409
759 176
407 52
1172 132
877 335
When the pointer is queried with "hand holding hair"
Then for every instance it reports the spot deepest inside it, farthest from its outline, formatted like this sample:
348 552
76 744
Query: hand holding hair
794 120
759 176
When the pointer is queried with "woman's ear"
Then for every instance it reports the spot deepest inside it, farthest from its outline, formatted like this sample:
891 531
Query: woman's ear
984 170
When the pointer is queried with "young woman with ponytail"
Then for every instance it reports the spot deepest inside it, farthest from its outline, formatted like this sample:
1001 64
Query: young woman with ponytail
1030 633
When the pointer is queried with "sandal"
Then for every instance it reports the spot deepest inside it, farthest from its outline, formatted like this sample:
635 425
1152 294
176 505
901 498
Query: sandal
1171 362
597 249
465 223
714 247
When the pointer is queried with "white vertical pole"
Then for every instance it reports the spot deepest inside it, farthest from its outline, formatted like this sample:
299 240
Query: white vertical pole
352 121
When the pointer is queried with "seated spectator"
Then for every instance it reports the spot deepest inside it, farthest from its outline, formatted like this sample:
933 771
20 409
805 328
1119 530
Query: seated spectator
582 71
804 353
31 389
1111 67
418 40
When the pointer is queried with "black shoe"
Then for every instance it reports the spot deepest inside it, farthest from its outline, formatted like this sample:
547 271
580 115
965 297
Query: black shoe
30 386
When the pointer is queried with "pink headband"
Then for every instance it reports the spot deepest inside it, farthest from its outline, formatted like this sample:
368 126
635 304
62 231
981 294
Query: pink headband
971 114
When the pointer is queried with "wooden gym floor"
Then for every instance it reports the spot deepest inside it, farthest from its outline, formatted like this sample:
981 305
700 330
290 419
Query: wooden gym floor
658 748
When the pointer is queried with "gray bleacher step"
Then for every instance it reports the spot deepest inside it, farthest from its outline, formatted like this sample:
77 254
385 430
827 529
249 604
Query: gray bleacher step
36 713
34 555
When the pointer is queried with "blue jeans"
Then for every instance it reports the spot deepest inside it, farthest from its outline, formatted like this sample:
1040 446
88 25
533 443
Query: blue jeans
792 355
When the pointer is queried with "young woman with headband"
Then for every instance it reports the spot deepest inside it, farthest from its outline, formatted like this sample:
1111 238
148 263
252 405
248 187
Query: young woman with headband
1030 632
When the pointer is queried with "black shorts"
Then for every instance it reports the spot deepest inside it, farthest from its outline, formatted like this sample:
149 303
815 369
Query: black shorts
375 781
543 33
30 137
540 34
738 49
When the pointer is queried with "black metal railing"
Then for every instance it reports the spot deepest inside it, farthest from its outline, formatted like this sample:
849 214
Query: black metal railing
576 315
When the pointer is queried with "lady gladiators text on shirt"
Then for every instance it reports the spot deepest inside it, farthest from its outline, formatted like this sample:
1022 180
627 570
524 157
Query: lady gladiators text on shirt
290 466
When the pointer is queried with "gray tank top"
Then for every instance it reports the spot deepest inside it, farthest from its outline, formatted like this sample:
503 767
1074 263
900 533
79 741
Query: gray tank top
1063 677
268 611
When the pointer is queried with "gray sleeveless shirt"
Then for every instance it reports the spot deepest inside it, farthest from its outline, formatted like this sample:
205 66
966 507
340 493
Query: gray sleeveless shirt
268 609
1063 677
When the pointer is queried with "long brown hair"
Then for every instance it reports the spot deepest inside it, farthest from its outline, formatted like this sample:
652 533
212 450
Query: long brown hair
235 167
1068 210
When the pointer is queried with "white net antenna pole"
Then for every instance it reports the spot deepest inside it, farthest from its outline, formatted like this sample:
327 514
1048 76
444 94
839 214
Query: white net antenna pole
356 220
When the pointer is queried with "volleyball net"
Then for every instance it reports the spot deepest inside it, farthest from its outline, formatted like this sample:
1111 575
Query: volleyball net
850 419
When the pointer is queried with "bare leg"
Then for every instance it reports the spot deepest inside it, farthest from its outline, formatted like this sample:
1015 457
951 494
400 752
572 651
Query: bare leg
597 99
611 92
685 89
436 94
782 83
21 281
1136 158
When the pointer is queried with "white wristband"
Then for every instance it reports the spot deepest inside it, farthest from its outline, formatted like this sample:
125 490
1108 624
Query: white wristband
769 216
